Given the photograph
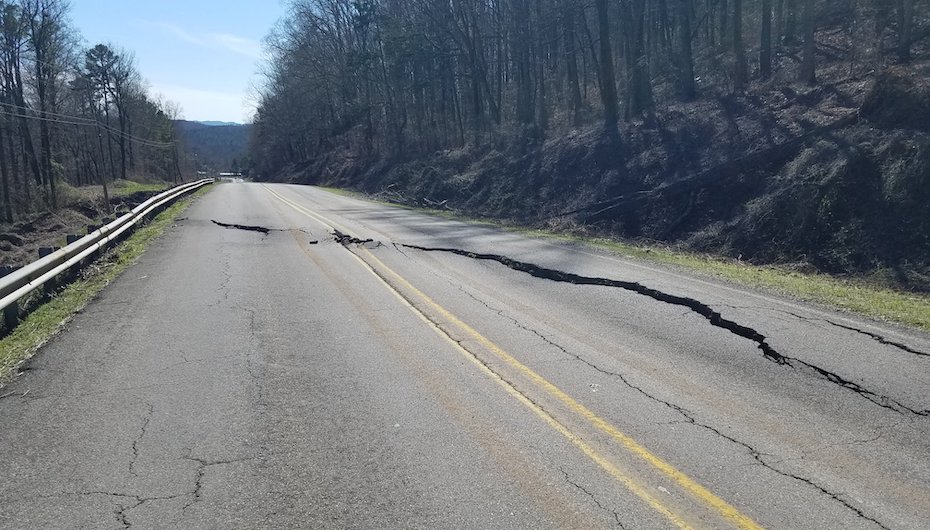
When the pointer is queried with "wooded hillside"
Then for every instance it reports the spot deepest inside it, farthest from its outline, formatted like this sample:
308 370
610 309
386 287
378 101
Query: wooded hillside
214 146
407 76
720 125
70 114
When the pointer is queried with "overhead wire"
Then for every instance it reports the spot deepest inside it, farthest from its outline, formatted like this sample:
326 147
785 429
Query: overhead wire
68 119
79 120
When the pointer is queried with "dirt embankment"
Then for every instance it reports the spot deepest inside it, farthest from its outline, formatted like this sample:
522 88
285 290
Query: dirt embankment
20 241
834 178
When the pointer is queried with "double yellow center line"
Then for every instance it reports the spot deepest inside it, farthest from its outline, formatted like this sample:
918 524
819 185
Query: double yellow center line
424 306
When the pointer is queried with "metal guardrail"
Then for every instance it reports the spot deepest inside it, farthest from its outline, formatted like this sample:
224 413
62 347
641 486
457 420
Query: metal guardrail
21 282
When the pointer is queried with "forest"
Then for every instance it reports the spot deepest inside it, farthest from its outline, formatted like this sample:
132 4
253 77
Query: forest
72 114
768 130
410 76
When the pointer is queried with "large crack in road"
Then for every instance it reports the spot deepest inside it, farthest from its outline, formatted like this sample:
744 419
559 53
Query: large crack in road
690 418
693 305
881 339
696 306
247 228
264 230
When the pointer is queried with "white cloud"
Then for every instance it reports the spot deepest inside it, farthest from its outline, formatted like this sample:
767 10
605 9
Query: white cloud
247 47
198 104
178 32
213 40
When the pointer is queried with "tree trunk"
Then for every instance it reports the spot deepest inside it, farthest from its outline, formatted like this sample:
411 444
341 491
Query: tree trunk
106 115
779 22
740 70
905 29
101 174
28 148
791 22
606 72
27 186
686 89
765 49
132 156
522 57
4 175
724 22
14 163
177 166
808 61
571 61
542 113
640 85
476 98
45 142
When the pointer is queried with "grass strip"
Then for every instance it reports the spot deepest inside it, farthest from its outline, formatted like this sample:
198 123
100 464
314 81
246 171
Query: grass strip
49 318
125 188
854 295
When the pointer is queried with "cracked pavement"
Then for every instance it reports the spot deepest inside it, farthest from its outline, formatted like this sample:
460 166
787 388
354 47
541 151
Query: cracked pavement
245 374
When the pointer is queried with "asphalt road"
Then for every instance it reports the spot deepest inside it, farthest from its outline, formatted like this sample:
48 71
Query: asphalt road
284 372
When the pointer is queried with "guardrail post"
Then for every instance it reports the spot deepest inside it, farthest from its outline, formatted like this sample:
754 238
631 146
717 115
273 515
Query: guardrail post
45 251
11 312
71 238
11 316
49 271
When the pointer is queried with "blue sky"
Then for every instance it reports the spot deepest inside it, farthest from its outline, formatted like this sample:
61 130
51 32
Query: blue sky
202 54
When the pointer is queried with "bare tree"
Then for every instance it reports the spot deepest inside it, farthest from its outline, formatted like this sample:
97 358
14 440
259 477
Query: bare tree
808 62
740 69
765 47
606 72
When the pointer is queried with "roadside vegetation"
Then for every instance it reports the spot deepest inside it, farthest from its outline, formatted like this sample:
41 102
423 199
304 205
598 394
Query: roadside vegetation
50 317
871 296
78 208
74 115
788 133
867 296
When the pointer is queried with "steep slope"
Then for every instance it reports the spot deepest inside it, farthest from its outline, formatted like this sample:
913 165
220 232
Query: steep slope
835 177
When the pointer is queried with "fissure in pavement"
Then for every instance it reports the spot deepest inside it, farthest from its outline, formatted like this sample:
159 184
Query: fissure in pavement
712 316
881 339
264 230
345 239
690 418
696 306
248 228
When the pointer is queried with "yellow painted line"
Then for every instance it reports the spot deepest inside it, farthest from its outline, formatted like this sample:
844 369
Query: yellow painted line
319 218
726 510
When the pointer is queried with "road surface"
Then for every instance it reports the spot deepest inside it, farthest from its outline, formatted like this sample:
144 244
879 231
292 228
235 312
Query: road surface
289 358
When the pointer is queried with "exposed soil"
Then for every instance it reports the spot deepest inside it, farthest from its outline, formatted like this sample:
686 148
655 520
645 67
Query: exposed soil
20 242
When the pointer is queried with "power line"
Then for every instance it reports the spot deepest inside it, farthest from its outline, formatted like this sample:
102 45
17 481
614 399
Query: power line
80 120
68 119
47 113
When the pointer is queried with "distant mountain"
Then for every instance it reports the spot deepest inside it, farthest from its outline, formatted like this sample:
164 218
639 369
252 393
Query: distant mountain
218 123
214 145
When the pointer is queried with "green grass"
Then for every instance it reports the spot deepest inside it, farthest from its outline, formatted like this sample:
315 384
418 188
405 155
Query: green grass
855 295
47 319
124 188
118 189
